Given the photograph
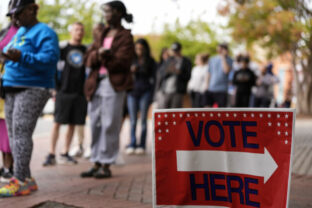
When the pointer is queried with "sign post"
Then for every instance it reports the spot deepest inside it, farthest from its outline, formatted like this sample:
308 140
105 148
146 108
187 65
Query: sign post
218 158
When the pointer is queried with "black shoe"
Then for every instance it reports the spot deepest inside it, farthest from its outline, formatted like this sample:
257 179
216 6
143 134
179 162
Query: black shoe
103 172
50 160
66 159
6 176
89 173
1 171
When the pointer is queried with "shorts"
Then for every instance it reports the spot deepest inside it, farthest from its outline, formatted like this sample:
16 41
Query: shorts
70 109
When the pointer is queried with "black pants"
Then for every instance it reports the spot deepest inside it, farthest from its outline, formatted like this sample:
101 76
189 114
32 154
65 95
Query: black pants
262 102
197 99
242 100
220 98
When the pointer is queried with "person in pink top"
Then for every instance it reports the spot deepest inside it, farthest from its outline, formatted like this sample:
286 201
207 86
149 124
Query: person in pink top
6 171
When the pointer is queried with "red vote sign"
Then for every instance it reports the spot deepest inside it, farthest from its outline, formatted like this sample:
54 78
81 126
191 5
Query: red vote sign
222 158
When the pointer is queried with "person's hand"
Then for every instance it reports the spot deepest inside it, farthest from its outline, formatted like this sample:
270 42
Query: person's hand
53 93
224 52
13 55
134 68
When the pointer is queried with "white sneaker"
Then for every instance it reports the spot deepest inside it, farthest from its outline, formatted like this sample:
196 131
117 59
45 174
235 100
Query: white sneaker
139 151
76 151
130 151
87 153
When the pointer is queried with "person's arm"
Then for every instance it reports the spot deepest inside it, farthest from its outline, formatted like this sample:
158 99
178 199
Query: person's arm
47 54
185 73
235 81
227 64
122 58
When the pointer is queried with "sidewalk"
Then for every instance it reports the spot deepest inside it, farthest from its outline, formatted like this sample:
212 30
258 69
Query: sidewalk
131 185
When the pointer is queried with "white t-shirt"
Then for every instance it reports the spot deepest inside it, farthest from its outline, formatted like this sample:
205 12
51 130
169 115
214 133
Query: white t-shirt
198 79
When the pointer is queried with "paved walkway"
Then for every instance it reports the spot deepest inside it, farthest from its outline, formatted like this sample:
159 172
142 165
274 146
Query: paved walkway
131 185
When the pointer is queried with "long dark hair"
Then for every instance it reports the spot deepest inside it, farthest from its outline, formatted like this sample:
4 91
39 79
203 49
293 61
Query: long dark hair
147 58
161 58
120 7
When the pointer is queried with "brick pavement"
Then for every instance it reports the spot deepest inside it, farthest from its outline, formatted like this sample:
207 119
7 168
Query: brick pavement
131 185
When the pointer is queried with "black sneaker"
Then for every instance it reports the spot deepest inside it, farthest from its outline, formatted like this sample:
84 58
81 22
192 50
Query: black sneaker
68 160
103 172
6 176
50 160
90 173
1 171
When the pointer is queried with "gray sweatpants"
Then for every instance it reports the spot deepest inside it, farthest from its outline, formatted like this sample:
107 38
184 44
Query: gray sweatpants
172 100
22 111
105 111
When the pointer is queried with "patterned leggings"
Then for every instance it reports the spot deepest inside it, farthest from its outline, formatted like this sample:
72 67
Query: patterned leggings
22 110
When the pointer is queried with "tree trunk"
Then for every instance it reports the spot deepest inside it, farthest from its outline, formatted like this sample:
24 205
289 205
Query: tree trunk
303 88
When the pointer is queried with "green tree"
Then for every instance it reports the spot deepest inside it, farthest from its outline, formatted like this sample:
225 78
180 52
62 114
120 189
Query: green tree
196 37
60 14
280 26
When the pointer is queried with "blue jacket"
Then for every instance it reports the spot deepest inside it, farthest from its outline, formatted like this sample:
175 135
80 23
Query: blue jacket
39 55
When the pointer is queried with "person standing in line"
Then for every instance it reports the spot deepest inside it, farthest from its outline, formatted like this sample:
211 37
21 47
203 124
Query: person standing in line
174 76
106 88
140 97
6 172
78 151
219 68
244 79
197 84
265 83
70 103
164 55
30 69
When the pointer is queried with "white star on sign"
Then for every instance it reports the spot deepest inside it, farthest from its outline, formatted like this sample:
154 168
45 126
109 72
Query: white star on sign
286 133
261 115
166 115
252 115
278 115
278 124
166 123
181 115
235 114
196 115
286 124
159 138
173 115
159 116
269 115
167 130
227 115
245 115
174 123
159 123
279 133
188 115
286 116
159 131
219 115
203 115
286 141
270 124
211 115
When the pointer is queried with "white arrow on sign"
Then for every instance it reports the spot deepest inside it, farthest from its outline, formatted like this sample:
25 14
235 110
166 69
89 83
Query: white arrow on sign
262 165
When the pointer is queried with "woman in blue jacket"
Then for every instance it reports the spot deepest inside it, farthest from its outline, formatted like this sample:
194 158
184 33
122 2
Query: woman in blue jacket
30 69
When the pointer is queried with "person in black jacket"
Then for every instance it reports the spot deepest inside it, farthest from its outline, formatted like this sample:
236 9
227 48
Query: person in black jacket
140 97
174 75
244 79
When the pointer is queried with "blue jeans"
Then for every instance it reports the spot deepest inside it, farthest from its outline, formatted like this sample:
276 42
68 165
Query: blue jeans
136 104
